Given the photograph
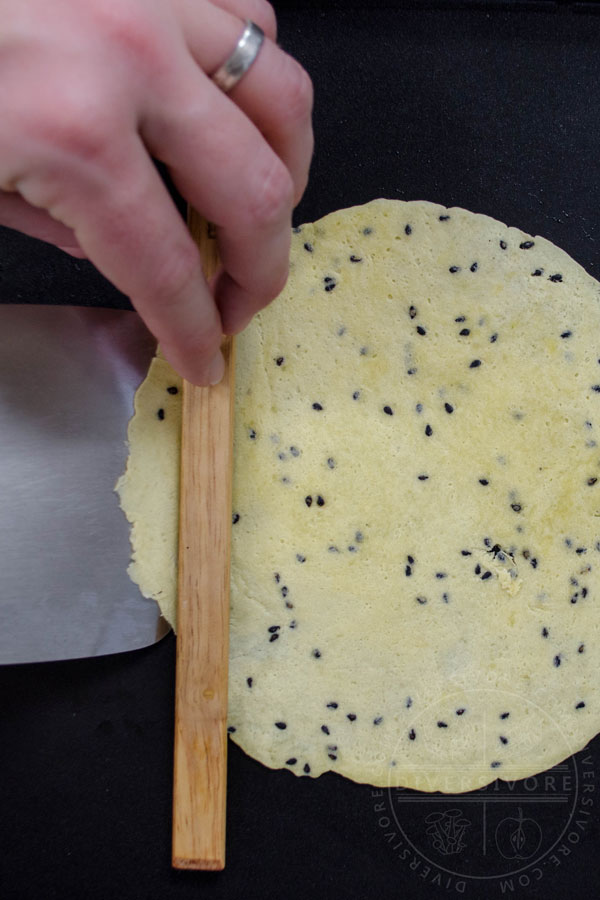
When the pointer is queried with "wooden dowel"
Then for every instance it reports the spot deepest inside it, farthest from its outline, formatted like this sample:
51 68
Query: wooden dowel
200 760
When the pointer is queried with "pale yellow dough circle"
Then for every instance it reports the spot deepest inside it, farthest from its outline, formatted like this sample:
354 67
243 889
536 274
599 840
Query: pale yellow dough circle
416 537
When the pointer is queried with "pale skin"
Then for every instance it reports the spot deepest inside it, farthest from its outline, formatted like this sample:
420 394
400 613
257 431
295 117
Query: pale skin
90 90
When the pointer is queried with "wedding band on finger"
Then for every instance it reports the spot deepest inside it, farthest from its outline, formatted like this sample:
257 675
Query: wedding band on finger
245 52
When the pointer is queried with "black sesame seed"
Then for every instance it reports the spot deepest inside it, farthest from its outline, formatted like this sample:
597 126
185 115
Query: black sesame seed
557 660
412 311
252 434
555 278
317 406
423 477
273 628
566 334
324 729
408 703
308 500
388 410
465 332
332 756
411 560
333 549
538 272
466 553
442 724
448 407
421 600
235 518
483 481
592 481
408 571
330 286
161 414
486 575
454 269
172 390
487 541
359 537
352 548
516 507
503 740
444 218
367 230
291 761
332 705
421 330
478 569
320 501
596 388
412 734
331 462
534 563
316 654
419 407
355 259
503 245
279 361
493 338
504 715
284 591
475 364
249 682
459 712
274 637
306 768
407 229
527 245
581 648
446 597
545 632
495 764
428 430
440 575
378 720
308 247
281 725
351 716
474 267
356 395
579 705
584 592
412 371
294 451
277 577
300 558
231 729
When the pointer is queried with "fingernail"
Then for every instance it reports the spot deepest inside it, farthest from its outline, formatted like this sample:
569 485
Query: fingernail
216 370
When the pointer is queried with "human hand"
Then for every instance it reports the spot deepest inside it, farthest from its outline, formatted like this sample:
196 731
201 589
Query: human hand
90 91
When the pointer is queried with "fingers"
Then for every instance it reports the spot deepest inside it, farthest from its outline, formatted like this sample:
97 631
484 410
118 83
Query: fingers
276 93
136 238
223 166
18 214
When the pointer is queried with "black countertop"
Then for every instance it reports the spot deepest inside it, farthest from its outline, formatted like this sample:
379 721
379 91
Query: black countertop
489 106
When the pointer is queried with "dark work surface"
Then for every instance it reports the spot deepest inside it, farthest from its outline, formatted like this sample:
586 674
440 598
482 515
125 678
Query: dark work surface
489 106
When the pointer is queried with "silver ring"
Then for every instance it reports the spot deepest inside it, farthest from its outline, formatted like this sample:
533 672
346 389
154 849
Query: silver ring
244 54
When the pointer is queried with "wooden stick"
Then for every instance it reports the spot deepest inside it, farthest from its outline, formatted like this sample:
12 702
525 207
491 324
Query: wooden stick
200 763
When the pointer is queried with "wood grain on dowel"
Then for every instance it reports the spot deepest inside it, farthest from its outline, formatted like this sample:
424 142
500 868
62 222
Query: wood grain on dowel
200 763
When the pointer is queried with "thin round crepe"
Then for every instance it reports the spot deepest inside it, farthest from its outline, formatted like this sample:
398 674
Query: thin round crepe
416 518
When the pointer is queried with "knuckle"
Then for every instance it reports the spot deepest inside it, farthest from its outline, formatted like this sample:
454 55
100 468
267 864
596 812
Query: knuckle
175 274
274 196
297 95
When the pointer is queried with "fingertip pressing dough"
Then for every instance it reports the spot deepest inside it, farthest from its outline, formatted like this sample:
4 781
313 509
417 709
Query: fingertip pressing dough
415 523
